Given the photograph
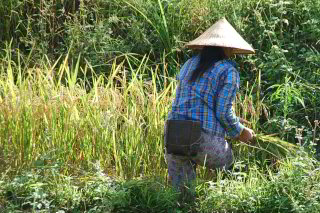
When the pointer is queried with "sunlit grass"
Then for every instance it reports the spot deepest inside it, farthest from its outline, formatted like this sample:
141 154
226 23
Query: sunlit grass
50 118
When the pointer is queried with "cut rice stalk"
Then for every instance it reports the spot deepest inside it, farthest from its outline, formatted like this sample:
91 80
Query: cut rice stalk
272 145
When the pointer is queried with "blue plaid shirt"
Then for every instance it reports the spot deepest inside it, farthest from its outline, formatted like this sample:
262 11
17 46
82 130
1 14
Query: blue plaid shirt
208 99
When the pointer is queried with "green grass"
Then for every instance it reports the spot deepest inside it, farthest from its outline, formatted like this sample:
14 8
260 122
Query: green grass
65 147
48 120
294 187
52 119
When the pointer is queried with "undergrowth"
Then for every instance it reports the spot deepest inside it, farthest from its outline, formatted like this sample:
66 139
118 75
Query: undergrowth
294 187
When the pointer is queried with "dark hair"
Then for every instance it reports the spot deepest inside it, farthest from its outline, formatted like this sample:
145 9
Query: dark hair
208 56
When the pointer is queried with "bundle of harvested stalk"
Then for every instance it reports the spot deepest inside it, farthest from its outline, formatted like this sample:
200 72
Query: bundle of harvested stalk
272 145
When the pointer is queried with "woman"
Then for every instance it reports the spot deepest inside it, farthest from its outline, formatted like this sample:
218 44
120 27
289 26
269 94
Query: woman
201 114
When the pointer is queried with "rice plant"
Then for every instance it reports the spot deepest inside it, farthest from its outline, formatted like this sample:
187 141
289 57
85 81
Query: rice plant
48 119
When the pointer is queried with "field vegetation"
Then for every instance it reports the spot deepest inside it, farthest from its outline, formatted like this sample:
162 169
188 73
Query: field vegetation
85 88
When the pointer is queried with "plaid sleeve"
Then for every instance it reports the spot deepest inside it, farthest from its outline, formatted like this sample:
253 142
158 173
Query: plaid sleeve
225 96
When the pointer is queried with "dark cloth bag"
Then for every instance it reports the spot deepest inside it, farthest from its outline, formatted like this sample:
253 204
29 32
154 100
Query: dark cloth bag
182 137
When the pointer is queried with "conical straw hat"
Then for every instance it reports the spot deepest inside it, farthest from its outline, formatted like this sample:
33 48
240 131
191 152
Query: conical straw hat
222 34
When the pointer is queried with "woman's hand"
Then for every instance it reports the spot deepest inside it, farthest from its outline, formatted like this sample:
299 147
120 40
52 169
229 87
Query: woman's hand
244 121
246 134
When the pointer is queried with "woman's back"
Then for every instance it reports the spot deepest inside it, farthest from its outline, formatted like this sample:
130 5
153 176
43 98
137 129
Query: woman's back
197 100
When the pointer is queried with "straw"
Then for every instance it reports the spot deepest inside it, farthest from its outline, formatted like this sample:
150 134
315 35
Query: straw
222 34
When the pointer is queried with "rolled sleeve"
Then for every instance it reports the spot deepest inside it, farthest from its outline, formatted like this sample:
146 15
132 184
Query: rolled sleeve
226 95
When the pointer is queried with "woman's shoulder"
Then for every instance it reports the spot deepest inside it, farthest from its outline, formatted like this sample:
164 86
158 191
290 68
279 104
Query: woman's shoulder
224 68
192 60
225 63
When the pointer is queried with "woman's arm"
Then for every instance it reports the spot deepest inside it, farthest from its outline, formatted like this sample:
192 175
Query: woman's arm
224 112
225 96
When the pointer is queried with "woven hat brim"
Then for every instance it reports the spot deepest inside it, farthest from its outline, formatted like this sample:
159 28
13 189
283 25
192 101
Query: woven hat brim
234 50
222 34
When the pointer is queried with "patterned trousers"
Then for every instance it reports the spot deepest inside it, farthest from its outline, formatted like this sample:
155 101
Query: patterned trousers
214 153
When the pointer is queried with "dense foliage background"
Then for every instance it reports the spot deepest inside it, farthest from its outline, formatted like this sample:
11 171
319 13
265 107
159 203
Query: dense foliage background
284 33
85 86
